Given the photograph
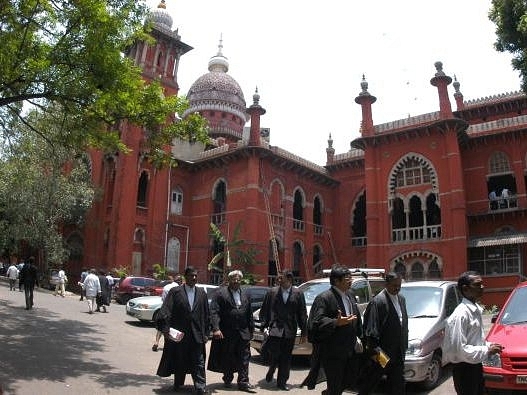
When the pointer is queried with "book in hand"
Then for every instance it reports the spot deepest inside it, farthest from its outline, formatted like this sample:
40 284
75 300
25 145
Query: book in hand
381 357
175 335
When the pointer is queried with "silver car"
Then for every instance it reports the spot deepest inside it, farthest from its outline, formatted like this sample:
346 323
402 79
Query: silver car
429 304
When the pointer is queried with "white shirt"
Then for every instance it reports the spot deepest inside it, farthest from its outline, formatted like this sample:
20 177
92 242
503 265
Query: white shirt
167 288
110 280
62 276
191 294
285 293
92 285
464 335
237 296
345 301
12 272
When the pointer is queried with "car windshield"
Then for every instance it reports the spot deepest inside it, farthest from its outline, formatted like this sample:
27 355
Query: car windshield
422 302
311 290
515 312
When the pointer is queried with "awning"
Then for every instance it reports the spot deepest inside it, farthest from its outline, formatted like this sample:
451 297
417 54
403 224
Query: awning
515 238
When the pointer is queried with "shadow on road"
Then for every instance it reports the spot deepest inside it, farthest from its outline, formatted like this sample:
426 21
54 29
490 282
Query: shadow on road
29 339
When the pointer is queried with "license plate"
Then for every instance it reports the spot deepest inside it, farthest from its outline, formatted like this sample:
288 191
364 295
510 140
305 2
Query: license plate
521 379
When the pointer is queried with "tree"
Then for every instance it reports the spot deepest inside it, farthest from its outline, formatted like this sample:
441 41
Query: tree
234 254
69 55
44 187
510 17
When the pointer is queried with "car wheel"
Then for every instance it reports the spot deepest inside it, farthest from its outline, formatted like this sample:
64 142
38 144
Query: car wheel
434 373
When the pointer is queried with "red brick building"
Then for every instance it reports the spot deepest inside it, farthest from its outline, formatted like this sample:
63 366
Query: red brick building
413 195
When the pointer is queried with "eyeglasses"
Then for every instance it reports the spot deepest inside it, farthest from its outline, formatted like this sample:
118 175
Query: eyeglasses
476 285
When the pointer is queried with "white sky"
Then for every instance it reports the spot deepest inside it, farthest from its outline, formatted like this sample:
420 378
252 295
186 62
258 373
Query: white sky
307 59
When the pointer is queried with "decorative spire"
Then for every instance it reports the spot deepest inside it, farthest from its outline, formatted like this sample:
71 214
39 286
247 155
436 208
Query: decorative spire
162 5
441 82
458 95
219 63
366 100
439 69
330 141
330 151
364 86
256 97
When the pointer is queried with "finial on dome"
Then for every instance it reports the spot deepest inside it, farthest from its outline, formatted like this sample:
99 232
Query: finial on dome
219 62
256 97
162 5
439 68
330 141
364 85
456 84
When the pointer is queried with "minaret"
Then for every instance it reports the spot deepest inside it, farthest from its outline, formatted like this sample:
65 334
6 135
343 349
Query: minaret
458 95
330 151
441 81
255 111
366 100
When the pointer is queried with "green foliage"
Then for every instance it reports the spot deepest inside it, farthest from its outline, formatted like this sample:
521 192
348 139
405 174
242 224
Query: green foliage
510 17
70 56
121 271
235 254
160 272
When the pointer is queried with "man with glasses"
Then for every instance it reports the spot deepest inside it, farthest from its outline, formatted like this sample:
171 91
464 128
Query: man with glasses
464 343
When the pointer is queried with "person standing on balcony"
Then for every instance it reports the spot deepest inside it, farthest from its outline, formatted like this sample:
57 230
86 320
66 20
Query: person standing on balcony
493 199
283 312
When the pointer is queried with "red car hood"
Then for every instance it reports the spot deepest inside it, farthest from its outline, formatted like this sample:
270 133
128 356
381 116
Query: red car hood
512 337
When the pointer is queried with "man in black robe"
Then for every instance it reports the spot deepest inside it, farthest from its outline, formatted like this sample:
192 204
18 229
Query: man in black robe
232 329
335 327
283 312
29 278
386 333
185 309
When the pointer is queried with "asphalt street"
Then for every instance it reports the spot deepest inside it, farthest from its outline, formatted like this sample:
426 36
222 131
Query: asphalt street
58 348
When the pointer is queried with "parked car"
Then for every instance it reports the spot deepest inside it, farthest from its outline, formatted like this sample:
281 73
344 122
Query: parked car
132 287
429 304
146 308
256 295
507 374
360 287
157 288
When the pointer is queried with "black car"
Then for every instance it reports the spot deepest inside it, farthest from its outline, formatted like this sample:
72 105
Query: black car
256 294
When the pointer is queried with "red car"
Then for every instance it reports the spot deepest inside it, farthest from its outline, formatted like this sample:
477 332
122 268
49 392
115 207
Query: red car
157 288
132 287
507 374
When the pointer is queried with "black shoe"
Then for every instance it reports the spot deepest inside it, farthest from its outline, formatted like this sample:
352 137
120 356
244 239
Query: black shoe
154 347
247 388
283 387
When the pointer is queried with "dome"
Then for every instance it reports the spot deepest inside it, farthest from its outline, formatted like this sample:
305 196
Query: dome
217 91
160 17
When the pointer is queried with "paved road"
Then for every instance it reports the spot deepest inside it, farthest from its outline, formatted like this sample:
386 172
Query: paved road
57 348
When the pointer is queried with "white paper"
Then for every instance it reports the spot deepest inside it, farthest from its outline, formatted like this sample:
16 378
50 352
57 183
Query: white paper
175 335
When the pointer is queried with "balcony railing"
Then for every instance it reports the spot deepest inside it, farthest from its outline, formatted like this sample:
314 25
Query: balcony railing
431 232
359 241
503 203
318 229
277 220
217 218
298 224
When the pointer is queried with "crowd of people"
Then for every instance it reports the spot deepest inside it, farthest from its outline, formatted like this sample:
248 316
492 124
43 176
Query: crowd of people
354 352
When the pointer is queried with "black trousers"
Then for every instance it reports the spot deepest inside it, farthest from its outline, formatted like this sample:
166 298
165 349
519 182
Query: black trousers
240 355
340 374
28 292
468 378
372 373
281 350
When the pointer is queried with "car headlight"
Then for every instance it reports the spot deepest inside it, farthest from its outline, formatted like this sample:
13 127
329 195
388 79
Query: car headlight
415 347
493 361
143 306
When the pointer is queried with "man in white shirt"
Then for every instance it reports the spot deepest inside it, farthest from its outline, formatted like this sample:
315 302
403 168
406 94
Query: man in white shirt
12 275
60 287
464 343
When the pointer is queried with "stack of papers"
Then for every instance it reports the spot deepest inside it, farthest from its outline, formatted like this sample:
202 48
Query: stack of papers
175 335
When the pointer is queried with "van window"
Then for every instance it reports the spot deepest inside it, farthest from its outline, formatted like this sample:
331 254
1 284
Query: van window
451 300
361 290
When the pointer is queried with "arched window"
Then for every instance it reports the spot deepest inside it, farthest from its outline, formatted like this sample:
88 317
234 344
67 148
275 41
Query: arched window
297 258
173 253
317 259
298 211
317 216
398 220
412 173
358 227
400 269
499 163
219 201
176 202
416 219
433 269
433 217
139 236
418 271
142 189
